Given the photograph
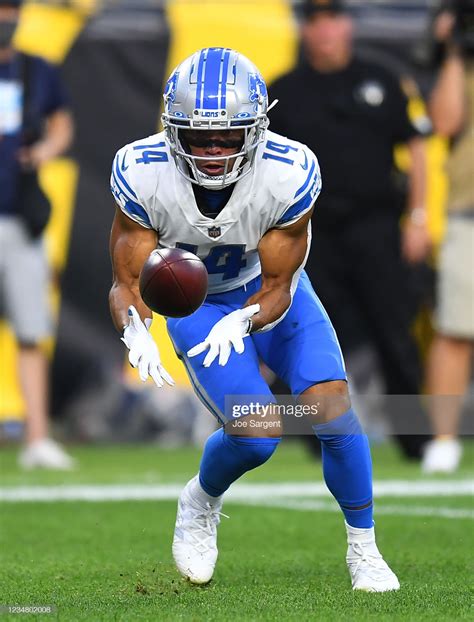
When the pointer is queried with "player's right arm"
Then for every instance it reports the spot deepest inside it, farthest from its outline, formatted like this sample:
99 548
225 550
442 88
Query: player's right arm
130 246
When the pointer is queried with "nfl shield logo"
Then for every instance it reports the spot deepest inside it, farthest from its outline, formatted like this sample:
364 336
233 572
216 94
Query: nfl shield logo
214 232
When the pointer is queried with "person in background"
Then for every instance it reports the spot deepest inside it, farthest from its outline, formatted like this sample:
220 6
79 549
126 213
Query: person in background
449 360
24 276
352 113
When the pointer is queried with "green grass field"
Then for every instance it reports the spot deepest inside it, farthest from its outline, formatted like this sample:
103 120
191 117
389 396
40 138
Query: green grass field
279 559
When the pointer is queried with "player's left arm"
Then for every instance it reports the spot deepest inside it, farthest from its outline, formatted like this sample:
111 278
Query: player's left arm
282 256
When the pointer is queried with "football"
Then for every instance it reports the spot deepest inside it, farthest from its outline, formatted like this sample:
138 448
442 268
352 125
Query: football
173 282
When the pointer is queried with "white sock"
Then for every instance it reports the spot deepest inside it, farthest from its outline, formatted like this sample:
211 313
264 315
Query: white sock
200 496
362 536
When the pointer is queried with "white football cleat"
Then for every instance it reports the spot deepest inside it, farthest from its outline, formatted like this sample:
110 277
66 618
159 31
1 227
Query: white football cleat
441 456
45 454
369 572
195 536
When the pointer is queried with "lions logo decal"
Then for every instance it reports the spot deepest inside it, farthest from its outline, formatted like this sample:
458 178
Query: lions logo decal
257 88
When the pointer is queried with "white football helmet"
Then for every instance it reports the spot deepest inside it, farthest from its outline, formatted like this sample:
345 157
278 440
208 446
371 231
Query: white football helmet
215 89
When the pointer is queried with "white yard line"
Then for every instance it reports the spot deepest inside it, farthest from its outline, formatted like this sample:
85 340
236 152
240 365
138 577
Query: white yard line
239 493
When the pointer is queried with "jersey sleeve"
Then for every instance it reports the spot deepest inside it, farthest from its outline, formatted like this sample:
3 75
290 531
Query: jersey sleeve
308 186
123 190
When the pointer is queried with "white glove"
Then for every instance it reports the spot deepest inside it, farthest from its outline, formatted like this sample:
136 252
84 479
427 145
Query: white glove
143 350
229 331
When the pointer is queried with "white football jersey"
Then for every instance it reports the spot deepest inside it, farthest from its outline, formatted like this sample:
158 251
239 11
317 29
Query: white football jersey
283 186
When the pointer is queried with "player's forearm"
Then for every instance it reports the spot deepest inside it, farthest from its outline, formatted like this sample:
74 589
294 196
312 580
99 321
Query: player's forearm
121 297
282 255
274 302
130 245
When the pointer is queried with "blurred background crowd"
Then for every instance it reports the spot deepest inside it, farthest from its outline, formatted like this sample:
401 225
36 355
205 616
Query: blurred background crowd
381 90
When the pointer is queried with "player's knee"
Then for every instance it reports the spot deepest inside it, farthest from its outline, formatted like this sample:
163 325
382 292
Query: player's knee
256 451
328 400
341 431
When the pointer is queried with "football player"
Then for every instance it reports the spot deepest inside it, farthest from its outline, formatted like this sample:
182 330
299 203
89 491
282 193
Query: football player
216 182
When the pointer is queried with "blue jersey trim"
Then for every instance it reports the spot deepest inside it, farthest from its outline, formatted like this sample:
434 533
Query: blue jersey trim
308 179
124 183
302 205
119 185
296 209
136 212
130 207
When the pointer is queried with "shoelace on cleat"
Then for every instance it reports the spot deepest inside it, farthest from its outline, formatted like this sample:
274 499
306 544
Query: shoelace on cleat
362 556
207 520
